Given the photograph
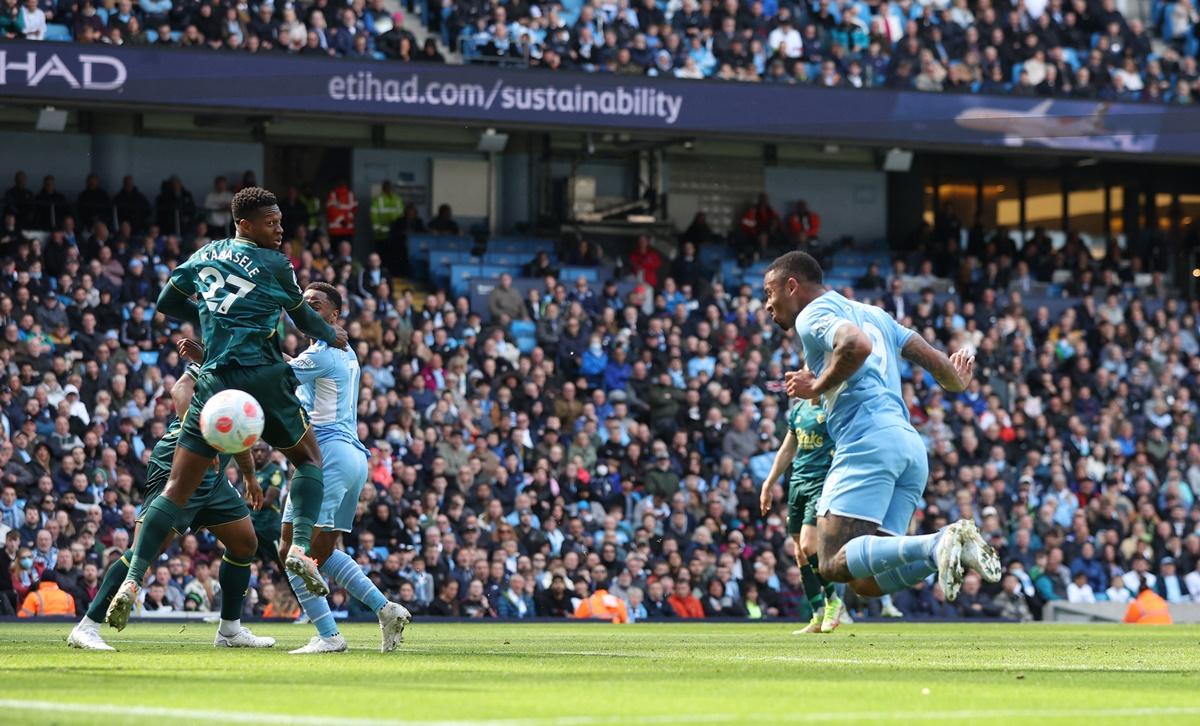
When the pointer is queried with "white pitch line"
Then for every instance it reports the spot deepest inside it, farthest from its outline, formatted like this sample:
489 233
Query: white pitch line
251 717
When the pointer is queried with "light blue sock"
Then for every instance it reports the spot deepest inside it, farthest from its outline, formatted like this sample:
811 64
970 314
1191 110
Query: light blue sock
905 577
343 570
316 608
870 555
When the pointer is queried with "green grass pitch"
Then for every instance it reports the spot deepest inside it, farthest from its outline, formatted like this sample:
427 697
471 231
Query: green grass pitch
580 675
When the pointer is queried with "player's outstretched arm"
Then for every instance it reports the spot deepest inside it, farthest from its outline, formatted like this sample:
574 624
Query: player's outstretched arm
173 303
783 457
302 314
951 372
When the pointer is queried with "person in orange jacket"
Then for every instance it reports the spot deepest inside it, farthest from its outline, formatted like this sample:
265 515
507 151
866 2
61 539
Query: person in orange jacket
47 599
684 603
602 606
1148 608
340 208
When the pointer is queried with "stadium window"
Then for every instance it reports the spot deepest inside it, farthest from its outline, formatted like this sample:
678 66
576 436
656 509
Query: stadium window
1162 212
1189 211
1086 213
1001 203
963 195
1116 211
1043 204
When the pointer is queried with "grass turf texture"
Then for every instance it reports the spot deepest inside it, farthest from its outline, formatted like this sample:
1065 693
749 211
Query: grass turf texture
578 675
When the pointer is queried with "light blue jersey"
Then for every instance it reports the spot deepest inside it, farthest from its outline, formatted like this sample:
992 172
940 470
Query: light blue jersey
875 476
329 380
870 399
328 390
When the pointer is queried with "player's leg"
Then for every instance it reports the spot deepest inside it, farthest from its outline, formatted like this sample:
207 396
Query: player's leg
240 545
327 639
162 519
345 476
883 564
286 428
86 633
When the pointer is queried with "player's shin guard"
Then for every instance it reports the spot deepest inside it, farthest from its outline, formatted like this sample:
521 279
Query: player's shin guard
308 486
345 571
234 579
870 555
109 586
157 525
814 588
904 577
315 607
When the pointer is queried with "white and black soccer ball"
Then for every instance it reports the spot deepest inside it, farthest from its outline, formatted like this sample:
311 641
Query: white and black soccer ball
231 421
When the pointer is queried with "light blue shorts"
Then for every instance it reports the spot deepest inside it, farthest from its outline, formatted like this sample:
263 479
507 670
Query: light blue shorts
345 474
879 478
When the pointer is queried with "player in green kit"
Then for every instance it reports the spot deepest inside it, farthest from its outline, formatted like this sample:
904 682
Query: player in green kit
215 506
268 520
242 284
808 451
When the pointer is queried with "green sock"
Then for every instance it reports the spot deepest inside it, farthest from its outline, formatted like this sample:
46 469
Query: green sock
109 586
829 588
234 579
812 584
308 486
157 525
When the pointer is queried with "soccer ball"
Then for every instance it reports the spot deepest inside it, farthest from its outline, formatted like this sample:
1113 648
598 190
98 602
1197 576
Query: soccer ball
231 421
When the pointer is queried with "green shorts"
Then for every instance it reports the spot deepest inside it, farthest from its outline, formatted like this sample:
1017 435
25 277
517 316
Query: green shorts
214 503
273 386
802 504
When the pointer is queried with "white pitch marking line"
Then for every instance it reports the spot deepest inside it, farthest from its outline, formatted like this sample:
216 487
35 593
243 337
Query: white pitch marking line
811 717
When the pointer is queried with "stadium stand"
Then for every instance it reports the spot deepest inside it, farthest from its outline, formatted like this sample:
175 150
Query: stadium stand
520 438
1087 49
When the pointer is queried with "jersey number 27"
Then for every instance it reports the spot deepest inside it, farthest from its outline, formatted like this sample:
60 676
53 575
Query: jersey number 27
238 287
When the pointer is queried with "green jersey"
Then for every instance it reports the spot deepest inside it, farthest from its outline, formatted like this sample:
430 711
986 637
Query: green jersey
270 476
242 287
158 469
814 448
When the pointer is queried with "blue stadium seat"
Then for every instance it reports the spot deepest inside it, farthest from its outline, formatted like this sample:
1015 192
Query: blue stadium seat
59 33
571 274
521 328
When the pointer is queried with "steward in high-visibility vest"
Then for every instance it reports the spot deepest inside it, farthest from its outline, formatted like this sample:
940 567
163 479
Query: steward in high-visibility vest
1148 609
47 599
385 209
602 606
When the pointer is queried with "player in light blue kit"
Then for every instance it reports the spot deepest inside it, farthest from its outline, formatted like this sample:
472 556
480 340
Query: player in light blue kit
880 465
329 380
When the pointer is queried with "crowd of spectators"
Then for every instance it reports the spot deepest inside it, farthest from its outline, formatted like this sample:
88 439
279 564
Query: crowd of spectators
621 457
1086 49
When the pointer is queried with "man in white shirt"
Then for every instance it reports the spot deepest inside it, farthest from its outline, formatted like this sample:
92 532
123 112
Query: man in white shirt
786 39
216 205
34 21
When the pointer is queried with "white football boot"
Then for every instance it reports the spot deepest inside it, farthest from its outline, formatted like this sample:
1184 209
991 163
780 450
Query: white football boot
87 638
392 620
949 561
243 639
977 554
306 569
334 644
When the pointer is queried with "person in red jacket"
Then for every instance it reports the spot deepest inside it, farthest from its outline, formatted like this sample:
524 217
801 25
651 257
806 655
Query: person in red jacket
340 208
646 261
684 603
803 224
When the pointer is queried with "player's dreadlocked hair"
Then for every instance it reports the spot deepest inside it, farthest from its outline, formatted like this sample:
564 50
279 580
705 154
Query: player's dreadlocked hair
250 200
331 292
799 265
